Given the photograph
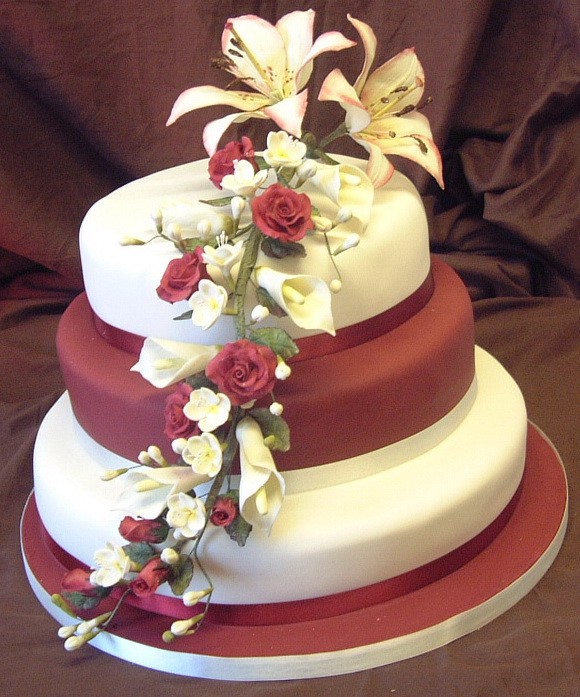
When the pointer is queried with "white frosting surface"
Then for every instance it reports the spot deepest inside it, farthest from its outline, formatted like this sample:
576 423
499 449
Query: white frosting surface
332 535
121 281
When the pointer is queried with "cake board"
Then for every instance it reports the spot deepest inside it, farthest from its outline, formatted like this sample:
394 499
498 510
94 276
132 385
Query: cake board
402 627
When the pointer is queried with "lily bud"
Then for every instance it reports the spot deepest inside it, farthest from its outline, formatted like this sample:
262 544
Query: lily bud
259 313
169 556
238 204
350 242
276 409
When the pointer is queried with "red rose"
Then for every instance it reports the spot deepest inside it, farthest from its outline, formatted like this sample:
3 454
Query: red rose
177 425
282 213
142 530
152 575
244 371
223 162
182 277
224 511
78 581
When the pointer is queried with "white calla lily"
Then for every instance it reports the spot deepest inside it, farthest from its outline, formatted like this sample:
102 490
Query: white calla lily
262 487
148 489
305 299
350 189
164 362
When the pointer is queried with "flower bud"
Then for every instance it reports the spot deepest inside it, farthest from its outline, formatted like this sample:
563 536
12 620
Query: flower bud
238 204
259 313
67 631
113 474
321 223
306 170
182 627
128 241
350 242
170 556
335 285
191 598
204 227
343 216
276 409
283 370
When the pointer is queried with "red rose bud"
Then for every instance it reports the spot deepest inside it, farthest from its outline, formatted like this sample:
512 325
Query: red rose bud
224 511
223 162
142 530
78 581
151 576
243 371
182 277
177 425
282 213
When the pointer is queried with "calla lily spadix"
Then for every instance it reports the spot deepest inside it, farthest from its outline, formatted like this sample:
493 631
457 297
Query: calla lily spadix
274 60
381 110
262 487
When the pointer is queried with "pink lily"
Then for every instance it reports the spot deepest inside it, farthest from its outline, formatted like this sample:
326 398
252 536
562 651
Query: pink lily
274 60
381 110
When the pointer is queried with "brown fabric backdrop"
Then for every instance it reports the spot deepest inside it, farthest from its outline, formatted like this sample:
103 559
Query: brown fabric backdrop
85 89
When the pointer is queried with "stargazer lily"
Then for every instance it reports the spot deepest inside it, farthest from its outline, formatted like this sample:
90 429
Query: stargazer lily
381 110
275 61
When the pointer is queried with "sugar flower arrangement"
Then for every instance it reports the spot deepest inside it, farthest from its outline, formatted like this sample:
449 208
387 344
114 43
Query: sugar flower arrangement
223 411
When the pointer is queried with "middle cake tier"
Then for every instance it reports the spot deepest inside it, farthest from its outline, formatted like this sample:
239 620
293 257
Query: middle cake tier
374 391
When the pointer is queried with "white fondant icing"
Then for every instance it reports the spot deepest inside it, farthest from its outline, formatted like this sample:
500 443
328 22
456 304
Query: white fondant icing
121 281
332 535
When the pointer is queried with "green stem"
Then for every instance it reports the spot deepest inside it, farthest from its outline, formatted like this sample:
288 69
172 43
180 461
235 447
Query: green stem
246 267
337 133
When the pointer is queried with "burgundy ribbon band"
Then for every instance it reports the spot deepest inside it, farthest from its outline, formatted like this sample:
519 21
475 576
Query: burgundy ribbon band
310 346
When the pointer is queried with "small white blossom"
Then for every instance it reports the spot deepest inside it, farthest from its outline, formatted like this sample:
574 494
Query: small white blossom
112 566
244 181
186 515
222 262
208 408
207 303
204 454
283 150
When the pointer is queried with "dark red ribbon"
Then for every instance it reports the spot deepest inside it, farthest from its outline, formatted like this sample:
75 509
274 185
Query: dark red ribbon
310 346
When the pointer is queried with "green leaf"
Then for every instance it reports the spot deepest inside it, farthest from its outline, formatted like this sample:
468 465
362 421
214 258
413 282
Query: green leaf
277 339
239 530
190 244
80 601
185 315
182 573
265 299
139 552
276 249
219 202
273 426
200 380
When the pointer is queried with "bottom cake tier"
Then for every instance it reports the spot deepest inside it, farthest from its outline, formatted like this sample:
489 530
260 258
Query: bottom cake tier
343 526
380 632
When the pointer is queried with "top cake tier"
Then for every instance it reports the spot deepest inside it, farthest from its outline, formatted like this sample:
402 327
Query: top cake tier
390 263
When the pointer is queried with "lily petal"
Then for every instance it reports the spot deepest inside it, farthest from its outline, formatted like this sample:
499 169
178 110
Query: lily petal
336 88
207 95
396 85
369 41
288 113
